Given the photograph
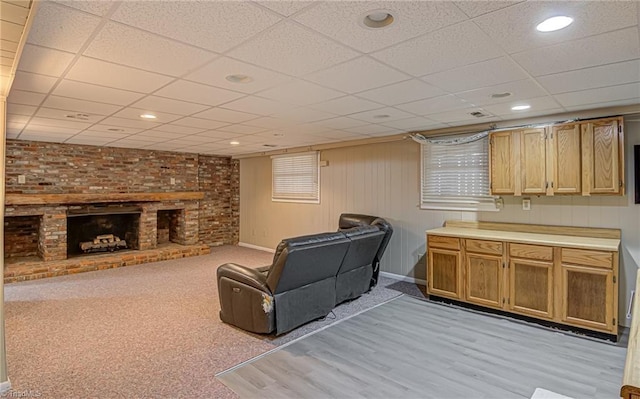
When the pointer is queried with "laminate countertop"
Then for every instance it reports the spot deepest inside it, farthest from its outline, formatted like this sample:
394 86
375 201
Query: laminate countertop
602 244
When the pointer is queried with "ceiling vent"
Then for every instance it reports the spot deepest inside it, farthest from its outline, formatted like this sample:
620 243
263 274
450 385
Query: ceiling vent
269 145
478 114
82 117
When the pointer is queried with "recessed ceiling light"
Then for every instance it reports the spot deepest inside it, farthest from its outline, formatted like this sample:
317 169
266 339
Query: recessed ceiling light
520 107
148 116
377 19
500 95
234 142
239 78
554 23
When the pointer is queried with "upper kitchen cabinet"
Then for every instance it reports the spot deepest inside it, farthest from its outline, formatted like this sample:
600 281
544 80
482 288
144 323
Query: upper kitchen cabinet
603 156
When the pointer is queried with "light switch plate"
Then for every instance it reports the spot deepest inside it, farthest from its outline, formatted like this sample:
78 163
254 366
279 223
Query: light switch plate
526 204
22 179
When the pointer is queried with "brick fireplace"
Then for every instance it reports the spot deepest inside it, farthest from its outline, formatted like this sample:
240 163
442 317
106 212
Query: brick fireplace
165 205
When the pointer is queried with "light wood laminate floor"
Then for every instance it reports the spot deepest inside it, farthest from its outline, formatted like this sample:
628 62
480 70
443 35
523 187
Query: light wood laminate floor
410 348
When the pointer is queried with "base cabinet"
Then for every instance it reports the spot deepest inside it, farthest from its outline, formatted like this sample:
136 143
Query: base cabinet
576 287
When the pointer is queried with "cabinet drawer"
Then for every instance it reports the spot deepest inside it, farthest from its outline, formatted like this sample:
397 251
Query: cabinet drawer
484 247
443 242
527 251
587 257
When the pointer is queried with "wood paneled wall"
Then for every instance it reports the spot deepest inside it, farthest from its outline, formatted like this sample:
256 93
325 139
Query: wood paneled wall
383 180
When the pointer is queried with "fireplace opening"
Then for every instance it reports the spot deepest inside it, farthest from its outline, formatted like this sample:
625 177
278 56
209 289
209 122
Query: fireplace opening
102 225
21 237
169 226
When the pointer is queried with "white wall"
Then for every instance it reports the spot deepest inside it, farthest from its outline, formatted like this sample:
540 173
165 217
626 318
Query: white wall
383 180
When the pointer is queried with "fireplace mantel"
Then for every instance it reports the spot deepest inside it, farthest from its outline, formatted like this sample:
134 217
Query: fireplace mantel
62 199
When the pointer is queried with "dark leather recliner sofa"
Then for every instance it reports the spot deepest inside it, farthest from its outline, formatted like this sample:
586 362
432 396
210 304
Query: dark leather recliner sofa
309 276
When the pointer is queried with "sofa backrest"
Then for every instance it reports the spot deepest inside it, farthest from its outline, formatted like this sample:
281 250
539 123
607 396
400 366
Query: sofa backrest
305 260
350 220
365 241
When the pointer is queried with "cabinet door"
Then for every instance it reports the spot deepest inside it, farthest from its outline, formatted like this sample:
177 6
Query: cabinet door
588 297
602 157
484 276
564 164
533 160
531 287
444 273
504 168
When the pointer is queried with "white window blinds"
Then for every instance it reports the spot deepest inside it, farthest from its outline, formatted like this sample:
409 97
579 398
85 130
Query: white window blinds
296 177
455 174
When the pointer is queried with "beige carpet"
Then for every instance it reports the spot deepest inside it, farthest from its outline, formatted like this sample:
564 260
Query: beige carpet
146 331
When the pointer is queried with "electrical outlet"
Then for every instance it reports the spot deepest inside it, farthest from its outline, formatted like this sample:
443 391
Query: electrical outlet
172 181
526 204
22 179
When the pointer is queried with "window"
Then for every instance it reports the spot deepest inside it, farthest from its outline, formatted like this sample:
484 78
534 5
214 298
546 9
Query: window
296 177
455 173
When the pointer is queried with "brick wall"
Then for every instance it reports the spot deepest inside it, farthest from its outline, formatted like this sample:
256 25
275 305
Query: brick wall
21 237
52 168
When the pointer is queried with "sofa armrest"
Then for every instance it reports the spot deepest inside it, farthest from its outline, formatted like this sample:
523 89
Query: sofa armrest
246 275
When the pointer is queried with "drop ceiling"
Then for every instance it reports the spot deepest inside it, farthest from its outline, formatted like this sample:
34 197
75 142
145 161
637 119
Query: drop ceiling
90 68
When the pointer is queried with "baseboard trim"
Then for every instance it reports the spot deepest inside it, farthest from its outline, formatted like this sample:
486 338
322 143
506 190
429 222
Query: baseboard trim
259 248
404 278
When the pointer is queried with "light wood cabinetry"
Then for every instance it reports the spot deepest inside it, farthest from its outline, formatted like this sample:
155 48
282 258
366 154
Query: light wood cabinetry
603 157
574 158
484 268
445 277
565 279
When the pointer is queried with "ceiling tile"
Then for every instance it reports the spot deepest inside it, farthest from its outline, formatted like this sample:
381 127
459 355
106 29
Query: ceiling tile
161 104
591 78
357 75
93 7
226 23
44 61
129 123
444 49
115 76
519 90
199 123
403 92
61 28
537 105
270 122
68 115
55 123
592 51
171 128
242 129
112 131
373 130
134 113
334 135
197 93
33 82
463 116
415 123
299 92
215 73
40 134
285 8
18 119
433 105
291 49
25 97
159 135
19 109
226 115
381 115
86 91
618 103
604 94
346 105
124 45
590 18
71 104
475 76
476 8
412 18
256 105
217 135
82 140
303 114
342 122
